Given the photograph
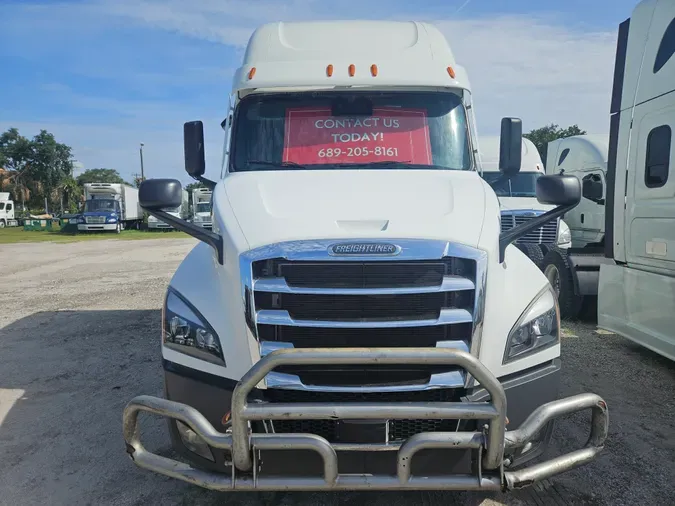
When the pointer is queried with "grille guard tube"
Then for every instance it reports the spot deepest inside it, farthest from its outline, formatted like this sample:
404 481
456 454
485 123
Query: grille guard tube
490 444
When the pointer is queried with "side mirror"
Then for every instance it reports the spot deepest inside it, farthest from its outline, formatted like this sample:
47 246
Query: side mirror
510 146
158 194
193 146
592 190
564 192
558 190
155 195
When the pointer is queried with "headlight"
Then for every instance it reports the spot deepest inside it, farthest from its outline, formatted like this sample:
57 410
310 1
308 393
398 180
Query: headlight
564 234
199 218
112 219
81 220
537 328
186 331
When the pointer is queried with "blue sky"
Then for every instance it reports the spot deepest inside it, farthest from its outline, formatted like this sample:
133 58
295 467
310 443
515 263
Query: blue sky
105 75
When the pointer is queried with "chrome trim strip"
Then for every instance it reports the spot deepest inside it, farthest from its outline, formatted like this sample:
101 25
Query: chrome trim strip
283 381
267 347
281 317
449 379
279 285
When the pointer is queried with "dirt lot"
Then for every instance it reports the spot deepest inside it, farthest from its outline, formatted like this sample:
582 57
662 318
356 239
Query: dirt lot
79 329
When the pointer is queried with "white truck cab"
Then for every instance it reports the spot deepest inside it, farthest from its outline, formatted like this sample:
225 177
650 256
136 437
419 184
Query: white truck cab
518 199
6 211
356 302
181 211
585 157
201 207
636 292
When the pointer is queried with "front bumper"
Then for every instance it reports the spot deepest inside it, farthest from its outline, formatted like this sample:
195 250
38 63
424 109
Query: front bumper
490 444
158 224
92 227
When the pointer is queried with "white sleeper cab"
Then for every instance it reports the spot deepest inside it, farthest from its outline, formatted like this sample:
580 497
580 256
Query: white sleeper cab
518 200
356 319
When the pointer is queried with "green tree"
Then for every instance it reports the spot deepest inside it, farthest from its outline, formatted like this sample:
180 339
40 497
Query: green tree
540 137
100 176
197 184
50 165
71 192
15 156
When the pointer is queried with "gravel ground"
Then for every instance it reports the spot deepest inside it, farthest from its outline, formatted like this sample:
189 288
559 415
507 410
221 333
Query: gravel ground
79 333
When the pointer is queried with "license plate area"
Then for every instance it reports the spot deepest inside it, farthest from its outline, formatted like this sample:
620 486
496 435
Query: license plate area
362 431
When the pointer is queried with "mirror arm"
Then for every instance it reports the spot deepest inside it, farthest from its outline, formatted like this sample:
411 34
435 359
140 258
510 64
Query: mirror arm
212 239
506 238
211 185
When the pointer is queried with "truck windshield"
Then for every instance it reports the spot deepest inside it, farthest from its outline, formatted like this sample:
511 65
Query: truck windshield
101 206
351 130
523 184
203 207
2 206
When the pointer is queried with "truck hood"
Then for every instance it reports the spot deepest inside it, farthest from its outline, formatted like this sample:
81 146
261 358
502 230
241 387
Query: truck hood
277 206
522 203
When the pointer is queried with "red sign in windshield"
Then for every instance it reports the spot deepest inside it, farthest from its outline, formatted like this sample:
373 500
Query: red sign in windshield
314 136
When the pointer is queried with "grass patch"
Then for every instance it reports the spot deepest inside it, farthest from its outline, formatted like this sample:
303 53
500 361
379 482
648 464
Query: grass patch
11 235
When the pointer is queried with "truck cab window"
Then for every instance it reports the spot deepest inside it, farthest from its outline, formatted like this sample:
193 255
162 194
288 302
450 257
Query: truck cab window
666 48
9 207
563 155
359 130
658 156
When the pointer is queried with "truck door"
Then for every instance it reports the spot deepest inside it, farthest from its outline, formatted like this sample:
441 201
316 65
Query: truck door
650 200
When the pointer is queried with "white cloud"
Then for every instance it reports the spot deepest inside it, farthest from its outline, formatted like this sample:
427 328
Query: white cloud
532 68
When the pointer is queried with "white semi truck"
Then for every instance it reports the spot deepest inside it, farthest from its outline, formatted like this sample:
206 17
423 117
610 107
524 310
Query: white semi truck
7 211
518 199
109 206
201 207
356 319
633 265
181 211
574 272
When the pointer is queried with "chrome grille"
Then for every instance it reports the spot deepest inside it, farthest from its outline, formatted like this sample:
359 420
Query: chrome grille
97 220
297 295
548 234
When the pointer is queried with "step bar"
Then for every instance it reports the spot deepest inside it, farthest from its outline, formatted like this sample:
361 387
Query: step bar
490 444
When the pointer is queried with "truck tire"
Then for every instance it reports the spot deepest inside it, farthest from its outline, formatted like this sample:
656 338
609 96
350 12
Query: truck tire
559 271
2 223
533 252
119 228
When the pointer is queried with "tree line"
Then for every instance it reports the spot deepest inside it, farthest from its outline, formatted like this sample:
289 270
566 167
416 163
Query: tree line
38 173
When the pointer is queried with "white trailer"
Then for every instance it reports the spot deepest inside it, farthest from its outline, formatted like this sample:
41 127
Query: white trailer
518 199
356 292
7 211
201 207
182 211
109 206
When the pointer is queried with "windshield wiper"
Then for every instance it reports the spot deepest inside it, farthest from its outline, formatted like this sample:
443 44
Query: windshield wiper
391 164
280 165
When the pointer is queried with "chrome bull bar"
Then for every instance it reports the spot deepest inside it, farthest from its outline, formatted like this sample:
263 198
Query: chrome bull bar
490 443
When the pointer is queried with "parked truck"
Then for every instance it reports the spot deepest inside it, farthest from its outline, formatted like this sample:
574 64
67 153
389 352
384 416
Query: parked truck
181 211
575 272
518 199
201 207
7 211
356 319
109 206
632 262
